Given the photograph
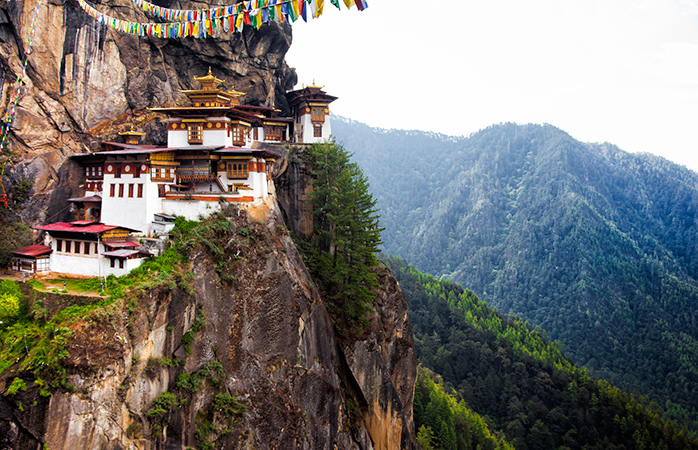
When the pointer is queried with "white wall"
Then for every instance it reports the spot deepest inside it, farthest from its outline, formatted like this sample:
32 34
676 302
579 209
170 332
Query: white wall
132 212
308 129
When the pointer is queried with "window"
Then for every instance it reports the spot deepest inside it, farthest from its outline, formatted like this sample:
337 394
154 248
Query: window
121 263
195 132
140 191
59 245
111 190
77 246
67 246
137 170
317 130
99 171
237 136
130 190
318 114
273 134
121 190
87 248
161 190
255 134
237 170
117 170
111 262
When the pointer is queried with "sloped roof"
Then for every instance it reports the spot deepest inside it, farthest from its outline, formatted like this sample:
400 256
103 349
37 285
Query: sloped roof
81 227
33 251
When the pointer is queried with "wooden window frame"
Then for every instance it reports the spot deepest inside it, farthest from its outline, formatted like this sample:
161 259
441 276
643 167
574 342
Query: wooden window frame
112 190
121 190
140 190
238 170
195 133
130 190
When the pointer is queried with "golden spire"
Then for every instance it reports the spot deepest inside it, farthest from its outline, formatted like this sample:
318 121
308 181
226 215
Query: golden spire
209 81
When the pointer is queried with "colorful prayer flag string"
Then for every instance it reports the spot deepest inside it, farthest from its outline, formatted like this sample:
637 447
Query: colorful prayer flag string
205 22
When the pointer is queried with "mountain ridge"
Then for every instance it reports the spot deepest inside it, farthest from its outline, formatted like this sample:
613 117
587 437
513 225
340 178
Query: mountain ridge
595 245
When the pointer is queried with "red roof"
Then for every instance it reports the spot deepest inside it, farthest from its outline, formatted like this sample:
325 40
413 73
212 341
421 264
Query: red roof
33 250
81 227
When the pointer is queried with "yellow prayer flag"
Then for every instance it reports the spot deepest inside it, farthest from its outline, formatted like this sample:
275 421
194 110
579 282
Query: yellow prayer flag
349 3
296 9
320 6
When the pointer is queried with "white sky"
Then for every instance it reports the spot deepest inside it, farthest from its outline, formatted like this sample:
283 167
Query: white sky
622 71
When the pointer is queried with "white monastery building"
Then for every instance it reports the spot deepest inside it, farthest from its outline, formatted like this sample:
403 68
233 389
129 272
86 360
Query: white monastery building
218 151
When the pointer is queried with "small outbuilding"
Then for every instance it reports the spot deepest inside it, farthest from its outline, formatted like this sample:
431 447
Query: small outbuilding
32 259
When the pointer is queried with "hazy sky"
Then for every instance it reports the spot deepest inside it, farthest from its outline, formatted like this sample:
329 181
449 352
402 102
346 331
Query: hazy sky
622 71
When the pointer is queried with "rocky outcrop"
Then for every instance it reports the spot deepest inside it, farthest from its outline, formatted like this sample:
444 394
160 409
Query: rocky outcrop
260 333
86 82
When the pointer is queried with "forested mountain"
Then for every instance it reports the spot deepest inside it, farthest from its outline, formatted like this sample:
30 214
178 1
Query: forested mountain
505 371
595 245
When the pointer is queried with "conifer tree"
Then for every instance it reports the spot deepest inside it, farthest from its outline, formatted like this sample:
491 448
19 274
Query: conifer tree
346 230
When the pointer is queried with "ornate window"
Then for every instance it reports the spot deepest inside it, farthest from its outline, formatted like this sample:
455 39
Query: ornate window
317 130
195 132
237 170
318 114
273 133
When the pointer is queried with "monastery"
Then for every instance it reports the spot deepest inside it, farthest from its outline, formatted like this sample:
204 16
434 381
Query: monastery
218 151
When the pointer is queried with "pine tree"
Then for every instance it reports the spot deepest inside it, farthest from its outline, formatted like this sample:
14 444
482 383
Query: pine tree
346 231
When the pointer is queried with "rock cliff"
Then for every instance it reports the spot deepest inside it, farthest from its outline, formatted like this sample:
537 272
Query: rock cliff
239 354
85 82
156 371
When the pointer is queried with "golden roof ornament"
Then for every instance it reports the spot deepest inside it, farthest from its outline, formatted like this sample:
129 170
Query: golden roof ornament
209 82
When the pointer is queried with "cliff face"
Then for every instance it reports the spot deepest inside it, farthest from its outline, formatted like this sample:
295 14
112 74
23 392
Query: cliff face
85 82
160 370
263 335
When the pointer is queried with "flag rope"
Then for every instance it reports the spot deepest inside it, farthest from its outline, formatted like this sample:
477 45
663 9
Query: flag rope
205 22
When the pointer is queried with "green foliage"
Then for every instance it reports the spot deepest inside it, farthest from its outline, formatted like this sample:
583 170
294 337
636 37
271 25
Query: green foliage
506 371
597 246
346 233
10 299
456 426
13 234
22 190
163 404
36 345
228 406
17 385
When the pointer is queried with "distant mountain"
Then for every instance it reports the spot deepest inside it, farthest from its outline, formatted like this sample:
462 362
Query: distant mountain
596 245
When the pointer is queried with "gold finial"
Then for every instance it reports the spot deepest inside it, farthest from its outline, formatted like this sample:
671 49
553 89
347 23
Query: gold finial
209 81
315 85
